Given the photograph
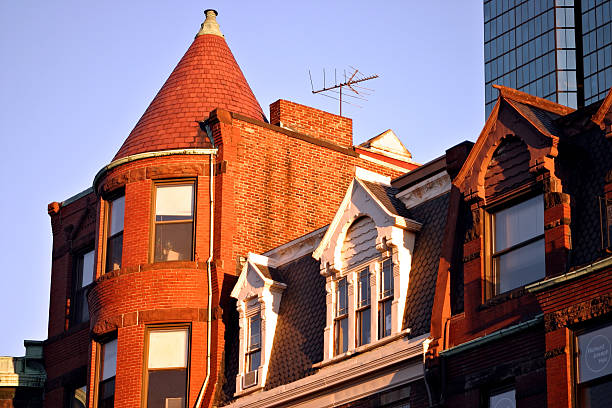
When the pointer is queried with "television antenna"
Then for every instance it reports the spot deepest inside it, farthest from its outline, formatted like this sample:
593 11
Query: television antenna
351 80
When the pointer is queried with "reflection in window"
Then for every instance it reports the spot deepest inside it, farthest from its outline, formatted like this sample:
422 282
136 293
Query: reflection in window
84 274
363 308
168 353
518 245
254 343
78 398
106 387
385 299
114 241
341 322
503 399
595 368
173 222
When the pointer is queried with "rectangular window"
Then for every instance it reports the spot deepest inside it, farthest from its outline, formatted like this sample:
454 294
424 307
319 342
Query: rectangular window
518 245
114 240
83 277
108 368
254 343
385 299
363 308
174 205
595 368
502 399
168 354
341 322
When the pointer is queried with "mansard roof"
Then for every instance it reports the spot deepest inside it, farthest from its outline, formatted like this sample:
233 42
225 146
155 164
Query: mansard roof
206 78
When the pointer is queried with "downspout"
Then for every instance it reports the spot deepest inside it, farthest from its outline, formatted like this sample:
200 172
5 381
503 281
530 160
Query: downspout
425 349
209 276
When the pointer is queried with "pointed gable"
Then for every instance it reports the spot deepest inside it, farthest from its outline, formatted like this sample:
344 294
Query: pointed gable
520 132
206 78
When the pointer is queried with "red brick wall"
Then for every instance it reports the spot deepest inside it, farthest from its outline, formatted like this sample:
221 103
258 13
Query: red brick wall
315 122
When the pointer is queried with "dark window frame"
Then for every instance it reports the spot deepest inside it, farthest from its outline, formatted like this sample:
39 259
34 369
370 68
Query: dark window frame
79 292
154 222
363 307
252 349
100 383
385 300
341 317
118 236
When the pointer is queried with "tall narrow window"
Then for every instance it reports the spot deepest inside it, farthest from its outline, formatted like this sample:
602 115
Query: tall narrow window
106 388
363 308
518 245
114 241
341 322
254 343
168 352
83 277
385 299
173 222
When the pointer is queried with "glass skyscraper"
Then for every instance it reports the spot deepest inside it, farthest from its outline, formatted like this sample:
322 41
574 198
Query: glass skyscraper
560 50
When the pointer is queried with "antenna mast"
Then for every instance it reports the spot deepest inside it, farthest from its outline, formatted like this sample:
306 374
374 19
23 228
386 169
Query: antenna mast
351 82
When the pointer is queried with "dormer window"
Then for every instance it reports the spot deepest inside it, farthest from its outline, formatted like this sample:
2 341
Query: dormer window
385 299
258 293
341 323
364 319
366 258
518 245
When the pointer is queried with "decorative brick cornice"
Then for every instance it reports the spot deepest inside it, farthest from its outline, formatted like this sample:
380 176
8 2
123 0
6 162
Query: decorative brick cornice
578 313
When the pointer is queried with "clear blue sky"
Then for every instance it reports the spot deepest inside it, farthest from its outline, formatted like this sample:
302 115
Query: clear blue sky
75 77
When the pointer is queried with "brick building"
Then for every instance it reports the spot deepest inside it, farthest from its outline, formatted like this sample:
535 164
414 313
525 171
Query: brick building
144 261
224 259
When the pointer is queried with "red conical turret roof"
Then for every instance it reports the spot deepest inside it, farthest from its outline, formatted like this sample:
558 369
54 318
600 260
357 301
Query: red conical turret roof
207 77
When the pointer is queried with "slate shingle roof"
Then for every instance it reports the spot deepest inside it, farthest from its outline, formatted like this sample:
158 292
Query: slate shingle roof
387 196
425 261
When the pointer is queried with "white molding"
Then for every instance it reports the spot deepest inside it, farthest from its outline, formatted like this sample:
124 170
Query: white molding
367 175
346 380
297 248
425 190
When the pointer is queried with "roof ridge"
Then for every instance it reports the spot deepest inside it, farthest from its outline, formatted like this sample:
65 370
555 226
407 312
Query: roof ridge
535 101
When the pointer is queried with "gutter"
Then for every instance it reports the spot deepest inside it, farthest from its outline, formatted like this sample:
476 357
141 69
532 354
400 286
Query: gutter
148 155
493 336
557 280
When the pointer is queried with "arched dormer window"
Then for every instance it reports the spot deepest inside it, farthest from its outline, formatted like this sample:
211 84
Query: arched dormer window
365 256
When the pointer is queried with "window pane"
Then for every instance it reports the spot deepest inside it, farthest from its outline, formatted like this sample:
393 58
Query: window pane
254 360
174 202
503 400
87 269
341 331
387 278
519 223
342 298
81 307
363 327
596 395
521 266
255 332
364 287
168 349
167 388
384 319
173 242
117 208
114 248
109 359
595 352
106 394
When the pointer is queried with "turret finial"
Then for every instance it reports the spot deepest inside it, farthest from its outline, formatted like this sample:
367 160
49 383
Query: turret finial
210 25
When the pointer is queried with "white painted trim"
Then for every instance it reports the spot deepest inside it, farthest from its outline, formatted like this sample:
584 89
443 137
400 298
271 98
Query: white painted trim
367 175
297 248
425 190
327 388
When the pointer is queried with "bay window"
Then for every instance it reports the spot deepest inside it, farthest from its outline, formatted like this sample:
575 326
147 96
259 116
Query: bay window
174 205
166 375
108 368
518 245
385 299
341 321
114 240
